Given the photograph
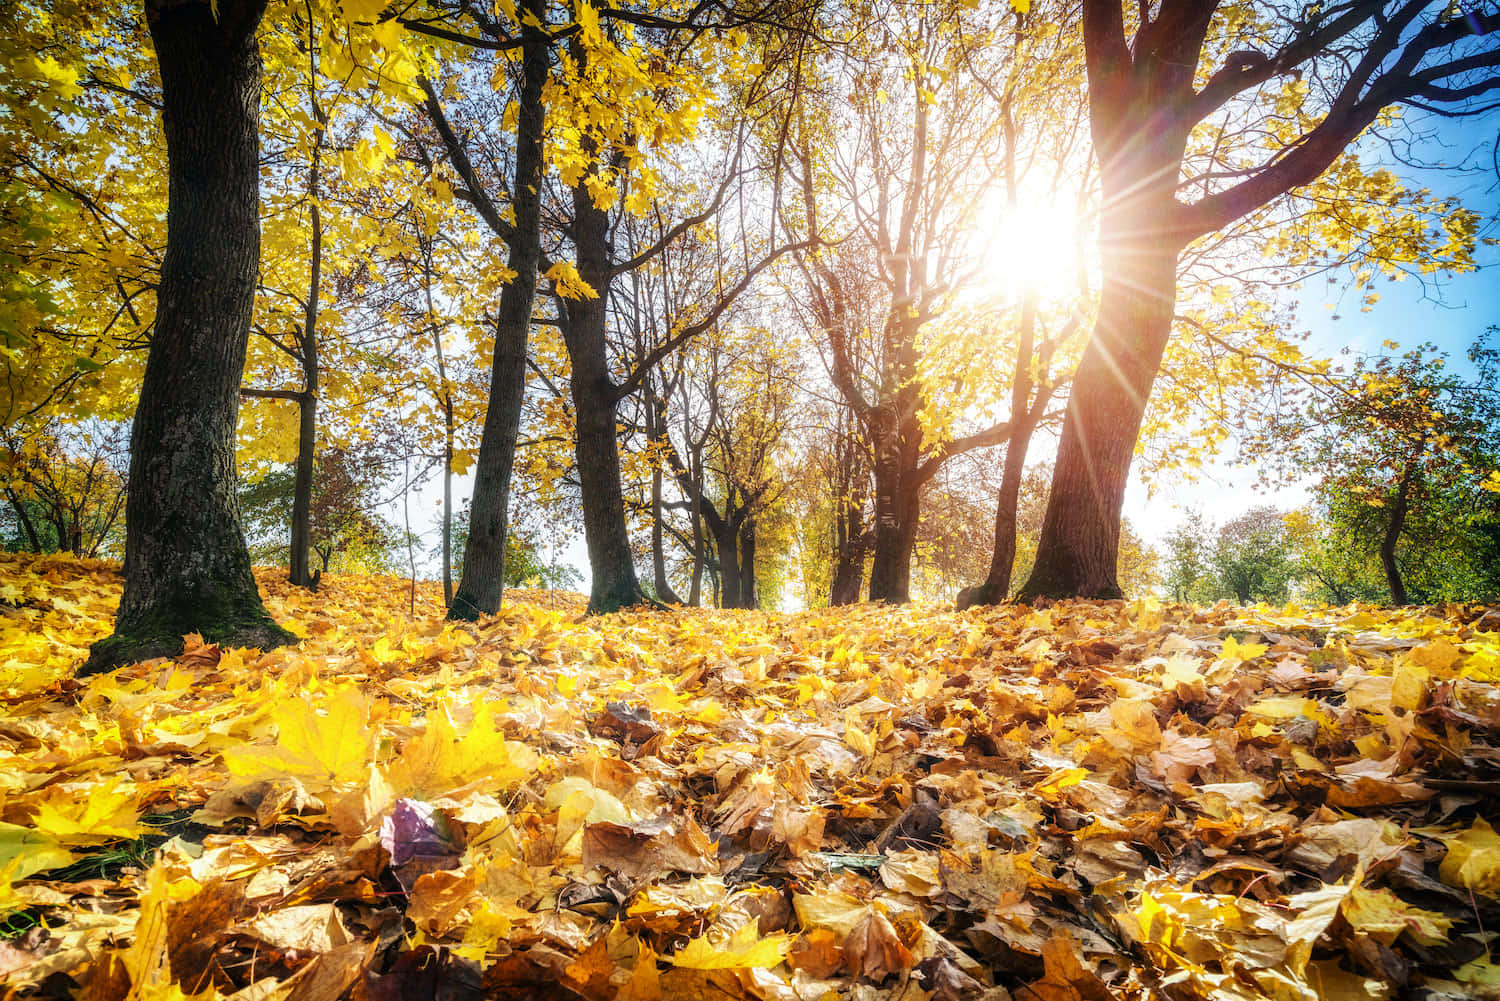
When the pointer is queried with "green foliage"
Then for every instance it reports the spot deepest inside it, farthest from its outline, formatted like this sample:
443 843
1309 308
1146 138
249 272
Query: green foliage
349 535
1189 574
1251 557
1405 450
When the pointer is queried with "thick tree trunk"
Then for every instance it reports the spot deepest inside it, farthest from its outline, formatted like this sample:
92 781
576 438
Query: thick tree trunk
186 565
1079 546
727 546
749 596
614 585
897 508
482 586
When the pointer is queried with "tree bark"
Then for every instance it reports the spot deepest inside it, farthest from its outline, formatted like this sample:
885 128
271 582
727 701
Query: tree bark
749 596
849 542
595 399
482 585
186 565
19 506
1080 538
897 499
657 429
300 571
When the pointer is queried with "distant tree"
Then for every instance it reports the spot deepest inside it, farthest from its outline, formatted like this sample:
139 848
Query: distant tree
1333 563
1251 556
1405 449
64 488
346 531
1189 574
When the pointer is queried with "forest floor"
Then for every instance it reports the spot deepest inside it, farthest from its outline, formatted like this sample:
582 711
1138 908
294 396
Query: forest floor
1076 803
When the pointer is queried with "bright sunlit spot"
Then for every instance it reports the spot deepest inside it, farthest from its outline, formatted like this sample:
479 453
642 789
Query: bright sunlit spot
1033 244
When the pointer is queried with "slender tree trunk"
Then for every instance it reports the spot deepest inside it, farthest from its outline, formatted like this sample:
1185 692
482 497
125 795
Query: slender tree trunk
614 584
32 539
448 500
307 403
695 589
996 586
658 430
1079 547
1393 531
186 565
483 583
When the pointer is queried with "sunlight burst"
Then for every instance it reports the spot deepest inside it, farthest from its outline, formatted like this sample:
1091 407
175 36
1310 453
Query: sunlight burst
1033 244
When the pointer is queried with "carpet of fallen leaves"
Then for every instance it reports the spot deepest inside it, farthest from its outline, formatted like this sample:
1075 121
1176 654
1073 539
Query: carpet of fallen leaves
1076 803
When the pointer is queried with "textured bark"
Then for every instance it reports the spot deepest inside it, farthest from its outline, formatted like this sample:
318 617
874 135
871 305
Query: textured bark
849 543
482 585
749 596
1080 540
1140 133
186 565
897 440
595 395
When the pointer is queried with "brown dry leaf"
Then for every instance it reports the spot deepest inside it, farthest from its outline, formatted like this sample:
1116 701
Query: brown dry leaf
649 848
873 950
305 928
1066 977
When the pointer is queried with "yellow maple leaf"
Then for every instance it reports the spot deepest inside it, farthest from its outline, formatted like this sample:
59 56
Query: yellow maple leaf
108 811
570 284
326 742
24 851
1473 859
1235 650
440 760
744 949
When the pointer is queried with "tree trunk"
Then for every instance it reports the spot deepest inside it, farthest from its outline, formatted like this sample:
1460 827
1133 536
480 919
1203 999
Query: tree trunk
1023 415
749 597
614 584
996 586
727 546
1393 531
448 501
1080 540
849 541
482 585
19 506
657 428
186 565
307 403
897 507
